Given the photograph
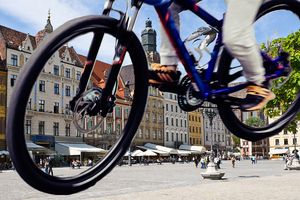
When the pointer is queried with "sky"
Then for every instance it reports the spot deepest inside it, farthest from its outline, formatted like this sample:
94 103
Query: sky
30 16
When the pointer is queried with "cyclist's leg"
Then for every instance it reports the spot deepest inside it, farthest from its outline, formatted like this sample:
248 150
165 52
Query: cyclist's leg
165 72
239 39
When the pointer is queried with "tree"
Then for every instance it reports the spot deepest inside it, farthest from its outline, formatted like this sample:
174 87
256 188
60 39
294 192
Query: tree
285 89
254 122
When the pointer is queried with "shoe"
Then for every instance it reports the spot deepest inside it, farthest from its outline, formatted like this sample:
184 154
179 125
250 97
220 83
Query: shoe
257 97
163 78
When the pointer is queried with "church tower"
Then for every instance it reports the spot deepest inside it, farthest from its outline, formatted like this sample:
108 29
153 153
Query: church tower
43 33
149 42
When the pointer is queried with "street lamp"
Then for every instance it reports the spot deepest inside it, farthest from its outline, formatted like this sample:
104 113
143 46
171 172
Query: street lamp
211 114
211 172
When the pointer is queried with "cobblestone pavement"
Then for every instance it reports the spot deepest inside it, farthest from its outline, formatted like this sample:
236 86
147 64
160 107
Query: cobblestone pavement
261 181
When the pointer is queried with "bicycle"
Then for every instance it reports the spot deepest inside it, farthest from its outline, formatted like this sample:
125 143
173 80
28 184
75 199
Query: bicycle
199 84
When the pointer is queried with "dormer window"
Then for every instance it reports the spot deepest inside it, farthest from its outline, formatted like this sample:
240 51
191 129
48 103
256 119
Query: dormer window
28 48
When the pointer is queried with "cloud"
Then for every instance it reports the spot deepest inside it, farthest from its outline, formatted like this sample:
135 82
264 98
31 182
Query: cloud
33 13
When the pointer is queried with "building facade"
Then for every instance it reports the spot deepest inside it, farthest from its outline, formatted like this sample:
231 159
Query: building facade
195 123
216 135
176 123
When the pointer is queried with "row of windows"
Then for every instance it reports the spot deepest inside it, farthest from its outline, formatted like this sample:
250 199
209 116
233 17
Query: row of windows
285 141
195 141
14 62
194 118
173 108
42 86
156 134
175 137
194 129
176 122
41 128
42 106
215 138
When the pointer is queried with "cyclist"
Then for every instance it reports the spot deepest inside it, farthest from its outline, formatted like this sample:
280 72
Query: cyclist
238 38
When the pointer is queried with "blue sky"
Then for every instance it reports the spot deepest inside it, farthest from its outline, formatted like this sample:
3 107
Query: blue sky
29 16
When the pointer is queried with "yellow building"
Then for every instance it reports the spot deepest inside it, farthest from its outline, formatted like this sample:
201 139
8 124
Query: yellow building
3 75
195 121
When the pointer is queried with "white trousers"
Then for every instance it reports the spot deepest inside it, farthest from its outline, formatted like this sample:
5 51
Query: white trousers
238 38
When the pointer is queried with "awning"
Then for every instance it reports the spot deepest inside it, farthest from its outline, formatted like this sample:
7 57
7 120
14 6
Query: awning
4 152
137 153
39 149
278 151
149 153
161 153
193 148
76 148
161 148
183 152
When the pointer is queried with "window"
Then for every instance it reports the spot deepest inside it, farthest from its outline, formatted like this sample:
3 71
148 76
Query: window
28 127
42 105
56 107
172 137
68 73
68 129
286 142
294 141
176 108
29 106
185 138
176 122
68 91
55 128
118 112
56 88
167 136
171 108
277 142
56 70
172 121
14 60
42 127
67 111
167 107
13 79
167 121
42 86
78 75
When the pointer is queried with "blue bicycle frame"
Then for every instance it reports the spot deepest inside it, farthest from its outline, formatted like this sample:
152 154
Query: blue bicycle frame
166 18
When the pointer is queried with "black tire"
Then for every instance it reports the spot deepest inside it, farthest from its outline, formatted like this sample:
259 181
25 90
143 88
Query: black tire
231 121
17 108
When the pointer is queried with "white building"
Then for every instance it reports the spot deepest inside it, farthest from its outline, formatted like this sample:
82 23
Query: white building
176 124
216 135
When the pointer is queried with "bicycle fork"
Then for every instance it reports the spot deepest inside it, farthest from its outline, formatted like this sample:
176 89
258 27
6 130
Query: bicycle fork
127 22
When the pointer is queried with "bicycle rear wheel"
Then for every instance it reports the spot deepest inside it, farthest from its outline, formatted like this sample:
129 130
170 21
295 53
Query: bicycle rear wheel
55 53
276 20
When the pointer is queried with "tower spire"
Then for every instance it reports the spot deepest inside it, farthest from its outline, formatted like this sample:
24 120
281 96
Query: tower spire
49 27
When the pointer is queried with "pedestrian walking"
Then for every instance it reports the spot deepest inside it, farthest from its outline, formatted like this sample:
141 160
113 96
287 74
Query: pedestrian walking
50 166
196 161
233 161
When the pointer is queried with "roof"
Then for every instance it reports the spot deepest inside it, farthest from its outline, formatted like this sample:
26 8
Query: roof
14 38
73 54
98 75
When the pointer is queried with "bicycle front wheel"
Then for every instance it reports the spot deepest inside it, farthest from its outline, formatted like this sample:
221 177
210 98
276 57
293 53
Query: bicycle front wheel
277 22
49 80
